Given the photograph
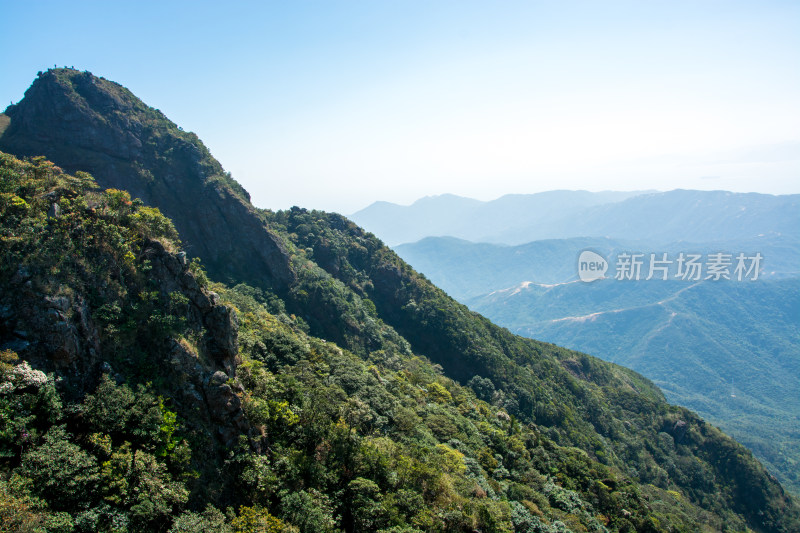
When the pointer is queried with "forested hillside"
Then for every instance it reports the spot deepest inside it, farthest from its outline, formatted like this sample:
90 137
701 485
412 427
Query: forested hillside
341 391
729 350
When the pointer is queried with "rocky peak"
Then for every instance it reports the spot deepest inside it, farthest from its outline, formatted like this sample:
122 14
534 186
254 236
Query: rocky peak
82 122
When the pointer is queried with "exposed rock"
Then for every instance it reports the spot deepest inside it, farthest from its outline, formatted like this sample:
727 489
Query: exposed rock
57 302
81 122
65 340
211 390
220 341
224 406
679 430
218 321
59 339
54 211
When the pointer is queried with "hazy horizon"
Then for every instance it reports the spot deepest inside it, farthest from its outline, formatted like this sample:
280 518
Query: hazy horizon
643 191
335 105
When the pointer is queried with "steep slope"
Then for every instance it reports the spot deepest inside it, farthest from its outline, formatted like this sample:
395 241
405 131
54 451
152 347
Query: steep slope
81 122
574 399
161 405
119 434
349 288
692 340
731 353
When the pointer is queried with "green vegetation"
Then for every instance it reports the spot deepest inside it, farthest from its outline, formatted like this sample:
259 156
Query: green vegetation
131 146
337 441
603 409
109 104
728 351
137 395
351 443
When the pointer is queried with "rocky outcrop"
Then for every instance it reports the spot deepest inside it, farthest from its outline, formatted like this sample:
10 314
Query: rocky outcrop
204 312
55 333
213 386
679 430
82 122
85 123
214 391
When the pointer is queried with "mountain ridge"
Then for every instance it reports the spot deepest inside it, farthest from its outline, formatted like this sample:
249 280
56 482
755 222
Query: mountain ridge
659 217
107 131
347 288
692 341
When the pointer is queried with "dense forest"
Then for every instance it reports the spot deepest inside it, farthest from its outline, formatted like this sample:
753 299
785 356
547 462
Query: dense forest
310 382
729 351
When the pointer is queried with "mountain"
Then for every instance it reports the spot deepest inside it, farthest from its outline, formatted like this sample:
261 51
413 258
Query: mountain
494 221
438 212
659 218
90 124
467 269
339 391
730 353
708 216
692 339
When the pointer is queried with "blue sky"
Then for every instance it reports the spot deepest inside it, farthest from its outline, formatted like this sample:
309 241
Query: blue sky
334 104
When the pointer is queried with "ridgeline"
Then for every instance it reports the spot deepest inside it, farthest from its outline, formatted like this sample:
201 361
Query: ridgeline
175 359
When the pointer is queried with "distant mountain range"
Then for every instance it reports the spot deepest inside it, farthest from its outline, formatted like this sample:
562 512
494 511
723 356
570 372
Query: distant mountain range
466 269
657 217
730 351
306 380
700 342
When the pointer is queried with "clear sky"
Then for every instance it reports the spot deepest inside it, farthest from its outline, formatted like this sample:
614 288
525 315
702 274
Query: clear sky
336 104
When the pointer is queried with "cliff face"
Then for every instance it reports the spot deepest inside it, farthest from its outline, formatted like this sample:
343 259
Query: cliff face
201 385
88 287
81 122
90 284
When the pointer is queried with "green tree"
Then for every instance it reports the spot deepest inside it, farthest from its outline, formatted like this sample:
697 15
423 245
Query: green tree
63 474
